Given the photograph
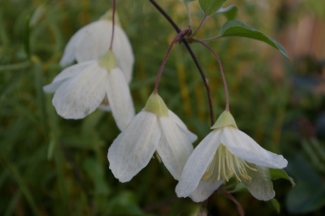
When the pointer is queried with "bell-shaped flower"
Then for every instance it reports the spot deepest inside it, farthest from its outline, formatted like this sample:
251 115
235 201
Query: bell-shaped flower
154 129
93 41
225 153
81 88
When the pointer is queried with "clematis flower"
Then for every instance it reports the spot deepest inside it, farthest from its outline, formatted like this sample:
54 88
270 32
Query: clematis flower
93 41
154 129
81 88
225 153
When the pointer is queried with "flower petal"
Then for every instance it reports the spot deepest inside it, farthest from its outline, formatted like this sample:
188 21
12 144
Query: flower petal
69 51
94 41
241 145
261 186
132 150
119 97
181 124
81 95
123 51
174 147
204 190
197 164
64 75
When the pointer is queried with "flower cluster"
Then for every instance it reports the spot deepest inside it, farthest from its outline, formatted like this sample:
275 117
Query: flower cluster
100 79
101 76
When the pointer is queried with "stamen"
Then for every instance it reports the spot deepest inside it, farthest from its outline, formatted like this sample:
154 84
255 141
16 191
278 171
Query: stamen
225 165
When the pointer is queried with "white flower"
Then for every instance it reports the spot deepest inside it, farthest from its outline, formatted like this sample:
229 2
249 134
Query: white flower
155 128
225 153
93 40
83 87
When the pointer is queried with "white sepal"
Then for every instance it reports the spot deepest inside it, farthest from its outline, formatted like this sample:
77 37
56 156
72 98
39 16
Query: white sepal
82 94
64 75
197 164
132 150
93 40
204 190
261 186
174 146
242 146
119 97
181 124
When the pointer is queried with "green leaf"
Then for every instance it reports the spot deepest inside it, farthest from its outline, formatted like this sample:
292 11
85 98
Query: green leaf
276 205
281 174
309 194
210 7
188 1
229 12
237 28
305 198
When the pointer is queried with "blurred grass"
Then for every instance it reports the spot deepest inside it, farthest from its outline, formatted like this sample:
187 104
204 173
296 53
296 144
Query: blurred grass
52 166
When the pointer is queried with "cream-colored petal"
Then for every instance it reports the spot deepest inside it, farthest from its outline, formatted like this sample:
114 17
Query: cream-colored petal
69 52
132 150
123 50
181 124
243 146
119 97
204 190
65 74
82 94
261 186
174 147
94 41
197 164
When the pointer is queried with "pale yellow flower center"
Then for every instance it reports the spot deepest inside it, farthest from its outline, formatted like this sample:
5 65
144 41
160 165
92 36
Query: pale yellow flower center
225 165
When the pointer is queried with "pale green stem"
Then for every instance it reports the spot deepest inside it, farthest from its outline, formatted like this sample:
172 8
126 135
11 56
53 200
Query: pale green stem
201 24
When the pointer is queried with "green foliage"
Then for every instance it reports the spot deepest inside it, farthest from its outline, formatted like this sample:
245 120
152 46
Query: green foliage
281 174
229 12
309 194
188 1
237 28
276 205
210 7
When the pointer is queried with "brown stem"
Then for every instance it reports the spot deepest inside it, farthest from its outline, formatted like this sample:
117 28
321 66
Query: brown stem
233 199
221 71
205 80
177 38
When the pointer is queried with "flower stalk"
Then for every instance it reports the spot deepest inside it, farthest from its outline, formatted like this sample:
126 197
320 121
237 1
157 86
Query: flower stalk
189 49
178 37
224 81
199 27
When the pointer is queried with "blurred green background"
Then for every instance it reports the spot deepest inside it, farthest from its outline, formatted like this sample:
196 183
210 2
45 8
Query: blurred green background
53 166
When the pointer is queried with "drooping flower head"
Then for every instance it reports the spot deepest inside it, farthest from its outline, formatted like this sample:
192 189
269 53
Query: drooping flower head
81 88
154 129
93 41
224 154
